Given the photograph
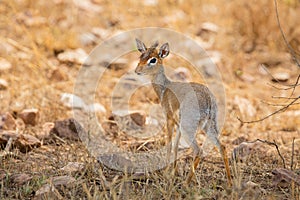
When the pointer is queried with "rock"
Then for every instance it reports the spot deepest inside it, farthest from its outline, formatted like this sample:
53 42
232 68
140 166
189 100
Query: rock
100 32
57 75
96 107
209 26
6 135
29 116
138 118
281 76
239 140
285 175
77 56
88 6
87 39
4 64
52 184
7 122
3 84
150 2
45 133
72 101
20 179
28 19
23 142
68 128
26 143
73 167
118 64
245 106
3 174
246 149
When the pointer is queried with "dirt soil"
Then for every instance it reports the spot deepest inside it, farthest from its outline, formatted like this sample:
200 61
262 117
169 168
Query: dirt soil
243 39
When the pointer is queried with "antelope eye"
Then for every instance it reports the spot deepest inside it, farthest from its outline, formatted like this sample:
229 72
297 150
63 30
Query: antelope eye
152 60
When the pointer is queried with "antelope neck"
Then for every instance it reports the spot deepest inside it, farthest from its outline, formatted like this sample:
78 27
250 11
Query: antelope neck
159 82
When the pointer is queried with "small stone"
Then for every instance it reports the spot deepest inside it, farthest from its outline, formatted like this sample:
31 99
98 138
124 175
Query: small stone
100 32
7 122
4 64
45 133
3 84
138 118
88 6
87 39
209 26
20 179
73 167
29 116
77 56
245 106
26 143
281 76
3 174
72 101
53 182
68 128
96 107
57 75
6 135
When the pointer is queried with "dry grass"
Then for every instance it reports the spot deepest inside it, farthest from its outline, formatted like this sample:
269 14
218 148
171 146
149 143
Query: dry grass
248 34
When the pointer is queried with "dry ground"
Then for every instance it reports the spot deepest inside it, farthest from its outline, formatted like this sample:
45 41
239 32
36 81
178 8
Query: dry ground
34 32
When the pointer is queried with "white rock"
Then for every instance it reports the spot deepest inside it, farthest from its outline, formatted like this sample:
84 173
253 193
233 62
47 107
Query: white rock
281 76
100 32
4 64
150 2
208 26
3 84
87 39
72 101
245 106
87 6
74 56
96 107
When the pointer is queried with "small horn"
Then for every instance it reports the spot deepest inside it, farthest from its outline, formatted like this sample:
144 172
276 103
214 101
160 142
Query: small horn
154 45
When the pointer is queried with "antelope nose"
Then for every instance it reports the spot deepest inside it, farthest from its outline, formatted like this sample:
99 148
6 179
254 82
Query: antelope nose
137 72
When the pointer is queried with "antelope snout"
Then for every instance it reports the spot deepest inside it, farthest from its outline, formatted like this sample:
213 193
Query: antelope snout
138 70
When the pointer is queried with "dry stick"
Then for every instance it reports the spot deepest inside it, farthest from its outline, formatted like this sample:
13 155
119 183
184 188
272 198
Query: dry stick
273 104
273 144
277 111
293 149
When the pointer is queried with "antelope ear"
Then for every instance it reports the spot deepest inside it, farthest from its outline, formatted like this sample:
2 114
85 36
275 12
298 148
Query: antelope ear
140 45
164 50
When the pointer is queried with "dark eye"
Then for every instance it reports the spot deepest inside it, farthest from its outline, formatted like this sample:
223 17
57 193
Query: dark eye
152 61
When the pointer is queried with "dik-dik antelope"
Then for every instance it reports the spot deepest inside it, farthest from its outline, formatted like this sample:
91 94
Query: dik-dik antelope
188 106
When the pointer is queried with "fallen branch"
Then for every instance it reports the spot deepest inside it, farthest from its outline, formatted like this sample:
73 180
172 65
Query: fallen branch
271 144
